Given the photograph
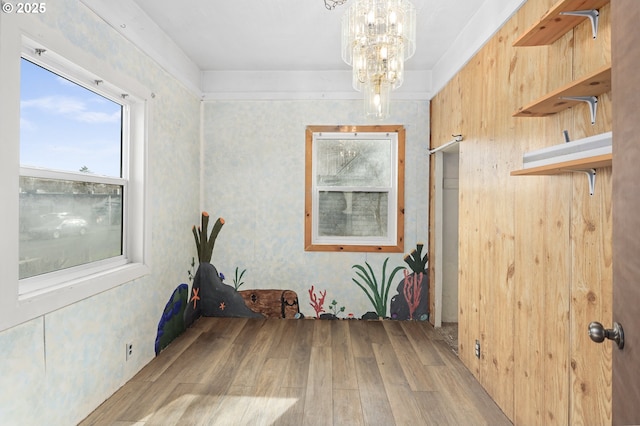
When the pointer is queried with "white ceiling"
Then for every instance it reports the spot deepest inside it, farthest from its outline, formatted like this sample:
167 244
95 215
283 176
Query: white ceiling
292 34
216 39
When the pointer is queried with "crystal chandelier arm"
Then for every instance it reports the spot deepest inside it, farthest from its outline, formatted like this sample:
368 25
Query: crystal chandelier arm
331 4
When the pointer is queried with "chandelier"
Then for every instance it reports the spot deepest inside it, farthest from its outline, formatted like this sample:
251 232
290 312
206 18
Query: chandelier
377 37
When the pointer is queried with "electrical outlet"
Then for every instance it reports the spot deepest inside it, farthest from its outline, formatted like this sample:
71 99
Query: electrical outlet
129 349
478 349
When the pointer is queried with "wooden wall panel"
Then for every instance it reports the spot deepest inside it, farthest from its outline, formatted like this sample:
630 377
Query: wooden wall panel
591 243
497 226
555 273
468 218
554 279
534 252
591 298
542 220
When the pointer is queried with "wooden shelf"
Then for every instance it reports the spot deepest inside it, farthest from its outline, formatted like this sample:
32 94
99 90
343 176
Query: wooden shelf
583 155
593 84
582 164
554 24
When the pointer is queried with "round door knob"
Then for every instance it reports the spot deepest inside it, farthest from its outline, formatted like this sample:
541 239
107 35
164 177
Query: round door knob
598 333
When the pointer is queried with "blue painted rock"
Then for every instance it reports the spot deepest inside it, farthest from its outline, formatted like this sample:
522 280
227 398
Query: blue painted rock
171 323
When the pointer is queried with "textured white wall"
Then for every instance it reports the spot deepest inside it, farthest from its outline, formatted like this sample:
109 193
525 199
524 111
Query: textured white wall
57 368
254 164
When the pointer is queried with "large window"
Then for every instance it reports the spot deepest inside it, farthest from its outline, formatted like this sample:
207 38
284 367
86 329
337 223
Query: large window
78 202
354 188
71 183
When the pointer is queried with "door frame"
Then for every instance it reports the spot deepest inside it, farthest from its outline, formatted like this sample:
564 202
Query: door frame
438 258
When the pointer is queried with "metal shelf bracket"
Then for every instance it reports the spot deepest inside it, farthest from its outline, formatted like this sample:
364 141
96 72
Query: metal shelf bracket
591 100
591 175
592 14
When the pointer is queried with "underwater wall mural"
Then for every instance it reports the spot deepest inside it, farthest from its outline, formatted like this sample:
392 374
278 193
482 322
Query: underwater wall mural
317 303
211 297
272 303
412 300
376 290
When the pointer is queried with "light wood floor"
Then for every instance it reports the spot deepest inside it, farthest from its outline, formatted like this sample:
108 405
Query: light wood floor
228 371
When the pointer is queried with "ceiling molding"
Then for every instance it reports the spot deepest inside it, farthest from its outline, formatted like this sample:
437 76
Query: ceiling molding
262 85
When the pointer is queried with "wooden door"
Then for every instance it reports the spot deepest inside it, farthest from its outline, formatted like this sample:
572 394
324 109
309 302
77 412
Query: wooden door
625 44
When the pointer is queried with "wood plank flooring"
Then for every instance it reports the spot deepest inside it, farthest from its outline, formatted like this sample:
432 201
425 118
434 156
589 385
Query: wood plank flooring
231 371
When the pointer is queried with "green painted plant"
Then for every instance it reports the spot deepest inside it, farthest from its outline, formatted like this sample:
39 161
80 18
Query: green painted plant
205 243
377 292
333 307
416 261
237 280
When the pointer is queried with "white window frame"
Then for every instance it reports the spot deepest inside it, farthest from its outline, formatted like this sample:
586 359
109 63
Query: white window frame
394 240
36 296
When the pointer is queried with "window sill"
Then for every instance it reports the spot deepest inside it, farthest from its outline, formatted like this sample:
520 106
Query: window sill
40 302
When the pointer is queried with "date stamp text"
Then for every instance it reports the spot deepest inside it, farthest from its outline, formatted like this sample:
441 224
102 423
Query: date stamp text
24 8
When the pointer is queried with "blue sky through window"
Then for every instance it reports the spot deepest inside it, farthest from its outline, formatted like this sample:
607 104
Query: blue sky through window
64 126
